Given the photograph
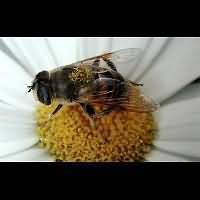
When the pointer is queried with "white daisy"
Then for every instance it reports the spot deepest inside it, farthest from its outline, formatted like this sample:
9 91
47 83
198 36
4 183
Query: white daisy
166 66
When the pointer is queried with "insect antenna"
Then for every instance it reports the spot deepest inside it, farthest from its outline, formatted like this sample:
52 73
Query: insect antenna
30 87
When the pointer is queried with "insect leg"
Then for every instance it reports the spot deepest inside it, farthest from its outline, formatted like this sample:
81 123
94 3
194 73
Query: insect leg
96 62
136 83
90 111
88 108
57 109
104 112
110 63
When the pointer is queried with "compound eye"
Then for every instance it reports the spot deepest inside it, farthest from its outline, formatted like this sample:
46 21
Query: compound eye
43 76
44 95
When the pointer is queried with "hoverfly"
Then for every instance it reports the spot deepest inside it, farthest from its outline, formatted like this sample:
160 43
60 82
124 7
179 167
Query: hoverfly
92 81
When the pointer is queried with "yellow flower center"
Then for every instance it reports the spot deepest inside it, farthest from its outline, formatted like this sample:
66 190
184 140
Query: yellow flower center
119 136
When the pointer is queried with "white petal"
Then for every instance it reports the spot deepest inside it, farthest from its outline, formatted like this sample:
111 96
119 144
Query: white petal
7 148
13 83
63 49
128 69
89 47
17 130
159 156
10 114
179 124
191 91
187 149
175 67
13 131
152 49
33 154
180 132
179 114
34 53
134 42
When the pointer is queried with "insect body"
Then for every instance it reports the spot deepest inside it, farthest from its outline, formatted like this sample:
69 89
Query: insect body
92 81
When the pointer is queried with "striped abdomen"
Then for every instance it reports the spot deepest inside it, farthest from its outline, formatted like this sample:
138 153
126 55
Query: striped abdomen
110 83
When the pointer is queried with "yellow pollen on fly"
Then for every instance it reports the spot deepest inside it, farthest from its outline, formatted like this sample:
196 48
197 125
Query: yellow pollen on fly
81 74
119 136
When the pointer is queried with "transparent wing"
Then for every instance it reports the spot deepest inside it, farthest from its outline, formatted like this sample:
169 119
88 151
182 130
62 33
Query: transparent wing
124 60
132 100
125 55
133 104
140 103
